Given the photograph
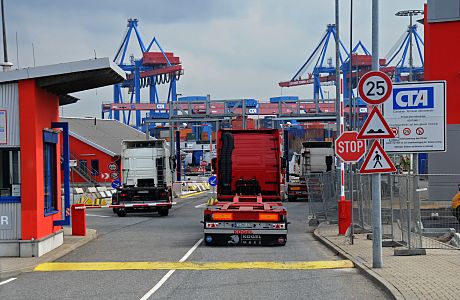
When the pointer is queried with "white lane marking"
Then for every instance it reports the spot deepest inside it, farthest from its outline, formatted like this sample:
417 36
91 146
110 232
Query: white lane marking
8 280
201 205
101 216
170 272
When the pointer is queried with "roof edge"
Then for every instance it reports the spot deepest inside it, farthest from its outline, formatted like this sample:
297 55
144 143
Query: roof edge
98 147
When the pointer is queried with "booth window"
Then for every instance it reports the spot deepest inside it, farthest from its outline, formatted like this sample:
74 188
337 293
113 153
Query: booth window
10 177
49 171
94 167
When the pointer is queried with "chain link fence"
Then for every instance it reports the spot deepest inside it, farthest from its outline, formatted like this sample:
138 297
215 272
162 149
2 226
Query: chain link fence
417 210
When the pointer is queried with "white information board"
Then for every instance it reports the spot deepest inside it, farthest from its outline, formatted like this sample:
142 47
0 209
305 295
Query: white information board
416 112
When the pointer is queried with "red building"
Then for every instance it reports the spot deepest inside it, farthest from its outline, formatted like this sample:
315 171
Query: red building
95 149
32 143
442 44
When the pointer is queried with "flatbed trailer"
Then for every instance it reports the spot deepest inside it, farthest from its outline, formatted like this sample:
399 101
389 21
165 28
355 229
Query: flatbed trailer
248 211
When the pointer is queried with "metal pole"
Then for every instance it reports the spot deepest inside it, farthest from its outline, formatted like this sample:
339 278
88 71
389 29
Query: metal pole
178 163
5 50
410 48
243 107
171 137
376 184
351 114
337 66
339 98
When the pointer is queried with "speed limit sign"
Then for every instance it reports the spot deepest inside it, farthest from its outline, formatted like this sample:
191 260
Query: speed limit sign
375 87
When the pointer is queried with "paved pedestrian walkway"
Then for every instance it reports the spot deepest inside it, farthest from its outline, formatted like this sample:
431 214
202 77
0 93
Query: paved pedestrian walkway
432 276
12 266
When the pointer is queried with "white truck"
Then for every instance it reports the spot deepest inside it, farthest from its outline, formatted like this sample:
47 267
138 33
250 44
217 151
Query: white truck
146 178
315 157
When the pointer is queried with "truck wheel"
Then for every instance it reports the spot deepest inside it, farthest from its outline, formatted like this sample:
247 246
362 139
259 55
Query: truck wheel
115 210
163 212
121 213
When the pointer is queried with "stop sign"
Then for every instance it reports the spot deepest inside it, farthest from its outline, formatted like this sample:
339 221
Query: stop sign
349 148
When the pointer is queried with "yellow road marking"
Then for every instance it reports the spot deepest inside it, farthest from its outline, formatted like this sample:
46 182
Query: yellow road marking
200 266
192 194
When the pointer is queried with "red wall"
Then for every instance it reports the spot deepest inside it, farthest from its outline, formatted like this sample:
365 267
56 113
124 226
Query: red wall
442 46
37 110
82 151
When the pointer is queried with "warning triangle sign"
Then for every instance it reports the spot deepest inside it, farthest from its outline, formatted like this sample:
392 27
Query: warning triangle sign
377 161
376 127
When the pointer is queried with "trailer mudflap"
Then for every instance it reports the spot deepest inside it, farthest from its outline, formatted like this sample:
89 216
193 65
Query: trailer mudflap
244 237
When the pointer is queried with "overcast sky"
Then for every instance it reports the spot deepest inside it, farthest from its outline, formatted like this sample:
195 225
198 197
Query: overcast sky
229 48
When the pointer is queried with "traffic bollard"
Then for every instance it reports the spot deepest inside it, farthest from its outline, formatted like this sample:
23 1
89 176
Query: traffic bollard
344 216
79 219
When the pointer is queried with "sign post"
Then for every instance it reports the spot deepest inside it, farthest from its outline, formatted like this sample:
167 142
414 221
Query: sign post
349 149
375 87
213 182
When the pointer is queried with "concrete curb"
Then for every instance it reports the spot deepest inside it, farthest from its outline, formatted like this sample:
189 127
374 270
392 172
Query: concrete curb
51 256
390 289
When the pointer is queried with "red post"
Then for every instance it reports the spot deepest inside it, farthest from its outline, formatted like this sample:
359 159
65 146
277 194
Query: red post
79 219
344 216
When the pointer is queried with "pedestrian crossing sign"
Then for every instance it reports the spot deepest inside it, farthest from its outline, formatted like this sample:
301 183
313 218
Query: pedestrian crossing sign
377 161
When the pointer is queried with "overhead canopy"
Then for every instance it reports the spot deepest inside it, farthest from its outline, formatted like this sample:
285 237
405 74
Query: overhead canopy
64 78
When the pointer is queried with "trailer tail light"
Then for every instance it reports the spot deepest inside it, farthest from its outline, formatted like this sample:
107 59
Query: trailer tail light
268 217
212 225
222 216
279 226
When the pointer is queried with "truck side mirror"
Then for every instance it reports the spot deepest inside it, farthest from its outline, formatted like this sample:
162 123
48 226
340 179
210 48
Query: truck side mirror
283 163
172 161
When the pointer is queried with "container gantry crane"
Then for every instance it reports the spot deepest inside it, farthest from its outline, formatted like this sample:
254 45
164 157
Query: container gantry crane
149 71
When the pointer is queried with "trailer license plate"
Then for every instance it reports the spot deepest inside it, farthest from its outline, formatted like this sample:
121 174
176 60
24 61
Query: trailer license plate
242 225
295 188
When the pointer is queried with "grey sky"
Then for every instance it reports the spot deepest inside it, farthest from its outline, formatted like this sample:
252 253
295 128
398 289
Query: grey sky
229 49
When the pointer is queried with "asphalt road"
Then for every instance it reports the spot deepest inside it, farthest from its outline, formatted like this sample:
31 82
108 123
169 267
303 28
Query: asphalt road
148 237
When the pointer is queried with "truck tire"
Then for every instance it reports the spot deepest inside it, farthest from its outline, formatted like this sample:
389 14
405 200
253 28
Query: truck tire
163 212
122 213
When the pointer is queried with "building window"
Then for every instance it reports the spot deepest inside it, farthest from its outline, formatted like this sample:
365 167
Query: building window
83 166
49 171
10 176
95 167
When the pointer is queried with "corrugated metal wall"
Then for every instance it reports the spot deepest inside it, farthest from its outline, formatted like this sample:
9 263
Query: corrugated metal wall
13 210
9 101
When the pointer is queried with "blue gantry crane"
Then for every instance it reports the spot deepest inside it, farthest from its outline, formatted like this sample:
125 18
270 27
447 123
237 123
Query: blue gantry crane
323 70
149 71
399 54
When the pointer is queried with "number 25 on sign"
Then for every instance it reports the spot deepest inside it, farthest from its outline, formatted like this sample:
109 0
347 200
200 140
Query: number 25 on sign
375 87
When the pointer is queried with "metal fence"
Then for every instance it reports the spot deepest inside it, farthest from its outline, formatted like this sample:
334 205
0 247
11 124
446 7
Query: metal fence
417 210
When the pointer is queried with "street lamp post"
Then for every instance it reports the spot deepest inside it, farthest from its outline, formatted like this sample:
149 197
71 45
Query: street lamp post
410 13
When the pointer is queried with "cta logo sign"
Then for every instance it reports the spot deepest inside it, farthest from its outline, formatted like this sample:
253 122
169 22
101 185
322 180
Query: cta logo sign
413 98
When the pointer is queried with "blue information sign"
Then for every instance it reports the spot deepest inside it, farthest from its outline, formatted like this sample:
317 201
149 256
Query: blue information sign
212 180
116 184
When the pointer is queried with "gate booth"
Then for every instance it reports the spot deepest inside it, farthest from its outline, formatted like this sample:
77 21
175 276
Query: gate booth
34 150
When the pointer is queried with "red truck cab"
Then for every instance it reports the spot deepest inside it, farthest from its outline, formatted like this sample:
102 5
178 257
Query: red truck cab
249 175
